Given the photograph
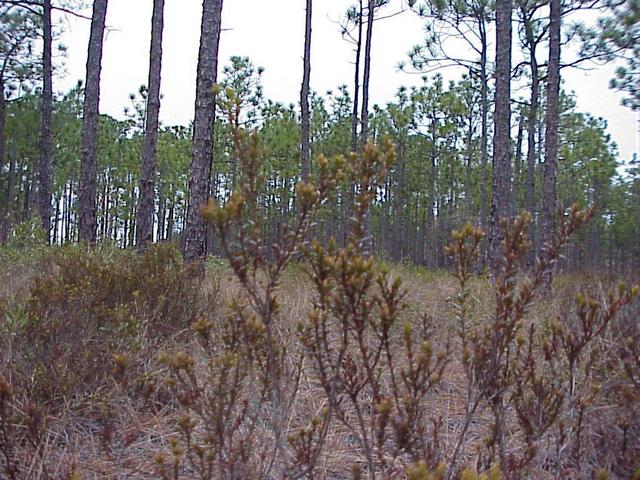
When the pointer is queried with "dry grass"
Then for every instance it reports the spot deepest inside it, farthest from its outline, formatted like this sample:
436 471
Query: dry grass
117 430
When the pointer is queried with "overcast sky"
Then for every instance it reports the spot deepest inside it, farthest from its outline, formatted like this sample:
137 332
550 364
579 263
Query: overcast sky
271 33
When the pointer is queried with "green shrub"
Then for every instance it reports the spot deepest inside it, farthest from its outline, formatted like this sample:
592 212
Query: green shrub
86 304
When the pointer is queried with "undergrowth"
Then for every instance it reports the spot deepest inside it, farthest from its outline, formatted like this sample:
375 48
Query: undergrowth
312 360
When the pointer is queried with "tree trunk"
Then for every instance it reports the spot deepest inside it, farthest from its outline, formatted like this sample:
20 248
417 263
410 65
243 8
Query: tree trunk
56 219
468 196
162 215
4 195
201 149
532 118
348 209
131 214
45 169
517 168
104 230
89 140
68 236
364 117
170 220
502 129
144 221
551 127
398 243
304 98
356 85
28 186
484 137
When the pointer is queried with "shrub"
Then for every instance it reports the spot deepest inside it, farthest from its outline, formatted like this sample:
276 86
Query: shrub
86 304
529 387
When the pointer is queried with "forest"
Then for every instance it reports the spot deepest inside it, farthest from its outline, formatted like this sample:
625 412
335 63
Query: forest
443 286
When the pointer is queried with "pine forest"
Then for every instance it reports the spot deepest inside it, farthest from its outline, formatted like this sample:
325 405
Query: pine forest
441 284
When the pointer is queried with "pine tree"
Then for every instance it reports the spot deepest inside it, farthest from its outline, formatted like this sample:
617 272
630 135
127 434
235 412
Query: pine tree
89 143
502 128
45 167
305 119
145 211
201 149
552 122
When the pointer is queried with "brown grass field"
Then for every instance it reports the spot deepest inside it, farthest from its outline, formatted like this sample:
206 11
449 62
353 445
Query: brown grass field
91 388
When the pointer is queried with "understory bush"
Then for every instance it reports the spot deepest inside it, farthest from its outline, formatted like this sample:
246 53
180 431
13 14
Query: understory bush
366 389
85 305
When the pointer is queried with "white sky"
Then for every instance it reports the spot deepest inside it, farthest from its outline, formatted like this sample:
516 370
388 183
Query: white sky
271 33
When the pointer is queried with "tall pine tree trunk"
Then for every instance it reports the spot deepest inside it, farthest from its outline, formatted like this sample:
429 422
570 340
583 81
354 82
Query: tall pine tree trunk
552 121
201 149
304 97
45 169
356 84
348 207
364 116
4 194
484 135
517 167
89 140
532 118
502 129
144 221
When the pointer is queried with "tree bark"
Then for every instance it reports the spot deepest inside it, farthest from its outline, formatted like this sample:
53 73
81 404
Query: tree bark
45 168
552 122
304 98
144 221
502 128
89 136
201 149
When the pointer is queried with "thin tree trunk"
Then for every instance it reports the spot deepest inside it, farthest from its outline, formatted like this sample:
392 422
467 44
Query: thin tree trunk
104 230
348 209
484 136
304 98
356 85
4 209
201 149
517 167
530 182
364 117
170 221
45 170
28 194
144 221
132 212
502 130
89 141
468 197
67 232
551 126
162 214
56 219
430 226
